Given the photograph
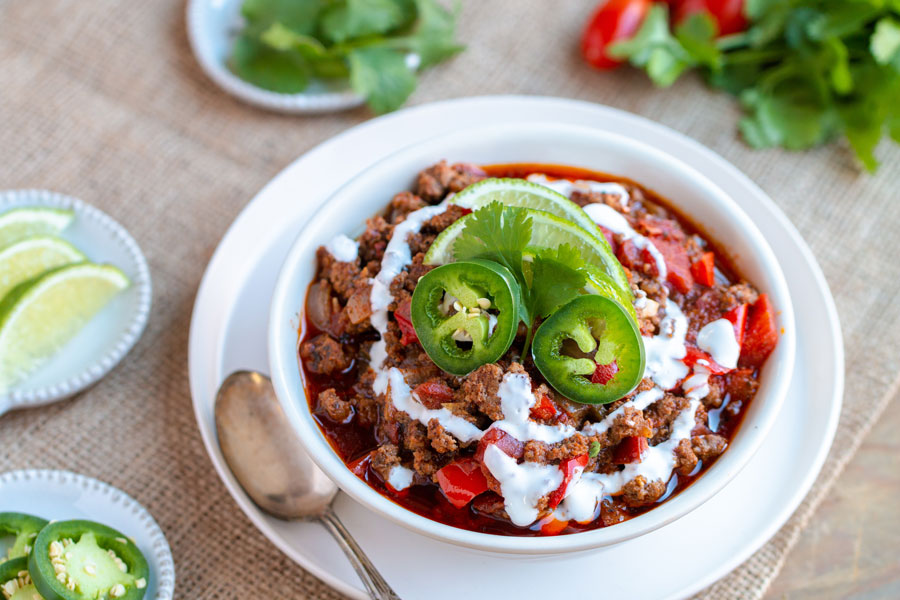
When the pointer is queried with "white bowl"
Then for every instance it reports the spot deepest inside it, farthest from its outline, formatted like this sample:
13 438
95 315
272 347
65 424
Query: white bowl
212 26
688 190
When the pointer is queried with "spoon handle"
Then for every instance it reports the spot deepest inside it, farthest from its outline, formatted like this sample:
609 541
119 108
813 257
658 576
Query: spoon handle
376 585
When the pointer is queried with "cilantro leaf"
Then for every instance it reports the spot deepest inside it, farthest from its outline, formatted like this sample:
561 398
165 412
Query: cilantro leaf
885 42
498 233
555 279
271 69
654 47
300 16
360 18
381 75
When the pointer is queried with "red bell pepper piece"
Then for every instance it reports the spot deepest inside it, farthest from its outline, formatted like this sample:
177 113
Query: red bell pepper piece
551 526
704 270
544 409
461 481
568 467
504 441
603 373
738 317
630 450
628 254
609 235
404 321
695 354
433 393
678 266
761 334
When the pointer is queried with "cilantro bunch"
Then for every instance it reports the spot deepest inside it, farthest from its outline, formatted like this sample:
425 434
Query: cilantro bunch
548 278
806 71
376 44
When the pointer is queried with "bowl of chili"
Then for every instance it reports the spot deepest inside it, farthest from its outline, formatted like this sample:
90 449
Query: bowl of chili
515 152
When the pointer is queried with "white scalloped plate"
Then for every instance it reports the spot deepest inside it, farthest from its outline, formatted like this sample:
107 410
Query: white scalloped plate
111 334
63 495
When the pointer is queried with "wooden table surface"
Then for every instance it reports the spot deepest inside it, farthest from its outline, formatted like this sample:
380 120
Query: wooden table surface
851 548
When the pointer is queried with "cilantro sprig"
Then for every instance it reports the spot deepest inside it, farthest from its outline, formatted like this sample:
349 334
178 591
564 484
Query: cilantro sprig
286 44
806 71
548 278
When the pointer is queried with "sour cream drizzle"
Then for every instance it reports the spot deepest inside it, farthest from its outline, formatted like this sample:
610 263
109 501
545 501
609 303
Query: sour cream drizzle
566 187
610 218
343 248
400 477
666 350
719 340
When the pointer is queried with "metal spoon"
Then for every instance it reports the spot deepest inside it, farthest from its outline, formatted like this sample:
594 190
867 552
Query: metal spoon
274 469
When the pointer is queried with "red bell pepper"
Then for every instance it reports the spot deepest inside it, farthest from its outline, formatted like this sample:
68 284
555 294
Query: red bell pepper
461 481
433 393
404 321
630 450
569 468
738 318
544 409
504 441
678 266
704 270
695 354
609 235
603 373
551 526
761 334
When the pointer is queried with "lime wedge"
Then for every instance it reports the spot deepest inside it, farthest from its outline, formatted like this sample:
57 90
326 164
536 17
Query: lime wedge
519 192
39 316
547 231
30 257
20 223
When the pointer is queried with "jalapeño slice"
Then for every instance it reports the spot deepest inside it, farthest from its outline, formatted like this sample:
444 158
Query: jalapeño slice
82 560
466 314
590 350
24 528
15 582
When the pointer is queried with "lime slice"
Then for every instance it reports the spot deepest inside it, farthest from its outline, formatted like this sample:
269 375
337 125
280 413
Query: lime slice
40 315
20 223
601 284
30 257
547 231
519 192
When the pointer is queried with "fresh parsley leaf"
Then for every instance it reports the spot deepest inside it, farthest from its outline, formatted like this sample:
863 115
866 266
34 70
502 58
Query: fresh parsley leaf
555 280
351 19
271 69
381 75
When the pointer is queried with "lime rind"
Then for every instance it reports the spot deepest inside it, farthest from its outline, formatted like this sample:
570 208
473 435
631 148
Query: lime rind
21 223
28 258
548 231
38 317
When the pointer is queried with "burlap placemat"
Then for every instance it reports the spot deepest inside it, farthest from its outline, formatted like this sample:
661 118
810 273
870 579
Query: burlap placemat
103 100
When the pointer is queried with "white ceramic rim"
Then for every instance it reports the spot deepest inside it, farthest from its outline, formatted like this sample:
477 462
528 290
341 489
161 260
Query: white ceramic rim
165 588
24 397
237 87
750 436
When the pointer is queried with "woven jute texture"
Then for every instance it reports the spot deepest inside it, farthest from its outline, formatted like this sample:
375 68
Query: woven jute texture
103 100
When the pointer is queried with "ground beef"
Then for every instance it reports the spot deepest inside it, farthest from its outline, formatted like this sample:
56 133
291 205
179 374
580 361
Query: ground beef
441 441
707 447
341 275
323 354
337 409
542 453
403 204
685 458
438 223
385 458
436 182
374 240
639 491
480 390
660 415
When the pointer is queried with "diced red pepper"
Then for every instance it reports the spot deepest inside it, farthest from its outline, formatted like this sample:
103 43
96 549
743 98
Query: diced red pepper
603 373
568 467
504 441
551 526
544 409
433 393
630 450
678 266
461 481
738 318
704 270
650 260
609 235
761 334
628 254
695 354
404 321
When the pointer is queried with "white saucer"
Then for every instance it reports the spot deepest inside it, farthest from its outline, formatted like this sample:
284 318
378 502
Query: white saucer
62 495
111 334
212 26
228 332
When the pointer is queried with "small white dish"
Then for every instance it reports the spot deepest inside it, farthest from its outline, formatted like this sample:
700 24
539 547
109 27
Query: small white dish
693 194
63 495
212 26
228 332
111 334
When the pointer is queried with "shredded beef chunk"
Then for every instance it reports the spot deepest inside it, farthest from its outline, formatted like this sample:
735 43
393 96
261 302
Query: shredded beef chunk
436 182
323 354
337 409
